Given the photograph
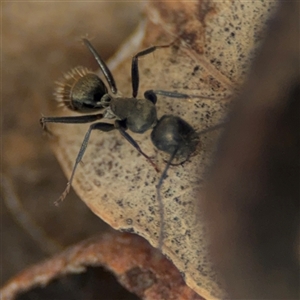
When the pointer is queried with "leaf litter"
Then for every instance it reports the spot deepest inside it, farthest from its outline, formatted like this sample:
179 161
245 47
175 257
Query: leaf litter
216 42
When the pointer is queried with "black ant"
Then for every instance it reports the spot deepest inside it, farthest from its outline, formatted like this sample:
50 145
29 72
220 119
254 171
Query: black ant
85 92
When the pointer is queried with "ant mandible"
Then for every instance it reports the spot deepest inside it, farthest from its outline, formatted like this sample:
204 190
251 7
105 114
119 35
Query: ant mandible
83 91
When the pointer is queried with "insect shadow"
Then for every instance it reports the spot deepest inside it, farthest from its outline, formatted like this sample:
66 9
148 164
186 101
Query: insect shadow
83 91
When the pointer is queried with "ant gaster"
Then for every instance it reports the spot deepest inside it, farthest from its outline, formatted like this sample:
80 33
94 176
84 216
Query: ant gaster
83 91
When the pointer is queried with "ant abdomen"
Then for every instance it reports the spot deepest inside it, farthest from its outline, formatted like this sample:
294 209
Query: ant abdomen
81 90
173 134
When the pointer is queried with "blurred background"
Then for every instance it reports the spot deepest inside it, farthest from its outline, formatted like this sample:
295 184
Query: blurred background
40 41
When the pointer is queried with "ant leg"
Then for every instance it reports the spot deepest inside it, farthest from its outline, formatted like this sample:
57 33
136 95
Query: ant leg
105 70
70 120
135 78
121 127
168 94
174 95
100 126
152 95
160 202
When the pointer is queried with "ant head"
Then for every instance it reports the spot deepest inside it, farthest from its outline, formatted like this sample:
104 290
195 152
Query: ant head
81 90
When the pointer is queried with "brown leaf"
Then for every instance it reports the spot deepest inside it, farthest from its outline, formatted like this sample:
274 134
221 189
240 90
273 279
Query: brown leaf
137 266
214 47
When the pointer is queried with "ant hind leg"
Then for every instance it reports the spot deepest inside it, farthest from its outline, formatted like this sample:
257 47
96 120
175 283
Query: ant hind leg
160 202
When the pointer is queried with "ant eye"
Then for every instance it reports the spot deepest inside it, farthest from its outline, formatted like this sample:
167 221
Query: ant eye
80 90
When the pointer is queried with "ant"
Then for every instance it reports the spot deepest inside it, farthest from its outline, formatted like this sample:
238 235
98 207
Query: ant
83 91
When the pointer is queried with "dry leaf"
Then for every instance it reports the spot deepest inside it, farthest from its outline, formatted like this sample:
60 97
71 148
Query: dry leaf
136 265
215 44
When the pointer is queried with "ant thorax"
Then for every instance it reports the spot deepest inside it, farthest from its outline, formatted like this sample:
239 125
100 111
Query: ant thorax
140 114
